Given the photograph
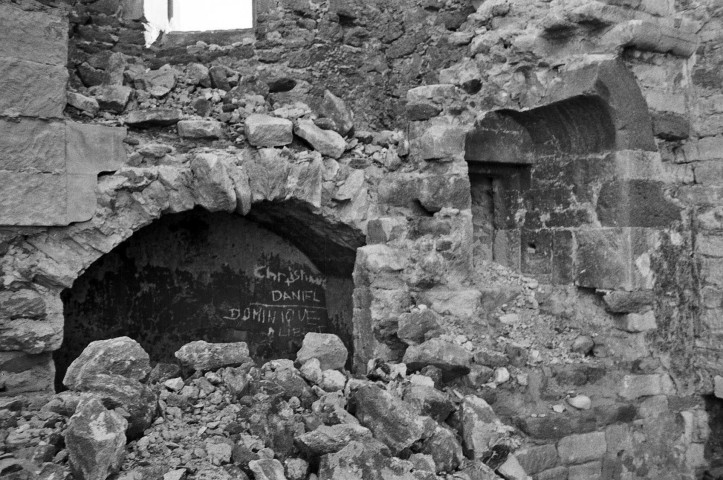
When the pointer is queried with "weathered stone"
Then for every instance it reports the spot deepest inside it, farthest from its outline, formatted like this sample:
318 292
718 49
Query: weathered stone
417 326
582 448
420 111
266 469
201 355
364 461
21 304
635 322
32 145
629 302
326 347
22 372
113 98
635 203
512 470
117 356
332 381
449 357
429 401
115 391
296 468
445 450
390 419
268 131
480 427
636 386
30 336
83 103
430 92
198 74
537 459
200 129
44 39
718 386
330 439
218 78
336 110
95 439
326 142
440 142
159 117
157 82
588 471
582 344
581 402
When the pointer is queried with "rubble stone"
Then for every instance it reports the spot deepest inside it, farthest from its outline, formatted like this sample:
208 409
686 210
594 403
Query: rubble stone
336 110
326 347
330 439
449 357
201 355
160 117
326 142
200 129
95 439
479 426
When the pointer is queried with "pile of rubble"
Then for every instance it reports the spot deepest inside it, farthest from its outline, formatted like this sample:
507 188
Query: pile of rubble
219 416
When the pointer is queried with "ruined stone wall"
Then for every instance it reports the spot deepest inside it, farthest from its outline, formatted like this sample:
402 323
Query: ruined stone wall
592 126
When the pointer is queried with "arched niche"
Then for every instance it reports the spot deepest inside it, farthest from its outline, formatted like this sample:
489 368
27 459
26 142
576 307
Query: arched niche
218 277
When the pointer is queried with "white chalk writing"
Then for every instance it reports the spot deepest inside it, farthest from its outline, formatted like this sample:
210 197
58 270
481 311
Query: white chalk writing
289 277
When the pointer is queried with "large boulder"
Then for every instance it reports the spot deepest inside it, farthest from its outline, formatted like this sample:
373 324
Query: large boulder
95 440
454 360
117 356
201 355
136 399
365 461
391 420
326 347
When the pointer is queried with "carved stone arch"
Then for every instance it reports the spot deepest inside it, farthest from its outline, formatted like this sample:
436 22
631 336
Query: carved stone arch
269 187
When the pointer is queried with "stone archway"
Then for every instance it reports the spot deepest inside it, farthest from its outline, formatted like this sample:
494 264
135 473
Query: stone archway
269 185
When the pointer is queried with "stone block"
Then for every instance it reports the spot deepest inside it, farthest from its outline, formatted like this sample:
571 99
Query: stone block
437 192
563 259
30 336
268 131
588 471
92 149
604 259
81 200
636 386
506 248
440 142
629 302
709 172
671 126
32 89
326 142
34 36
718 386
158 117
536 252
200 129
33 198
430 92
459 303
557 473
636 322
21 304
577 449
83 103
712 271
32 146
537 459
635 203
22 372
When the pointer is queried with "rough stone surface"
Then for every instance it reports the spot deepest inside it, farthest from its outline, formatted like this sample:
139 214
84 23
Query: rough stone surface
203 356
334 108
268 131
200 129
480 427
95 439
452 359
326 142
577 449
389 419
327 348
161 117
417 326
118 356
331 439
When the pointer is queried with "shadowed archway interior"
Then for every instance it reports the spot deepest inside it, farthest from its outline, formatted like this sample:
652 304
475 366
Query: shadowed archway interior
217 277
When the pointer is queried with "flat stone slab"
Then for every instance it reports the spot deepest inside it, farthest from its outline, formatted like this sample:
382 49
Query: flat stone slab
32 89
160 117
268 131
44 37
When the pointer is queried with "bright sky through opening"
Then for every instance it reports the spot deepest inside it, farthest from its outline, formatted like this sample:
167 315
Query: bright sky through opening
196 16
